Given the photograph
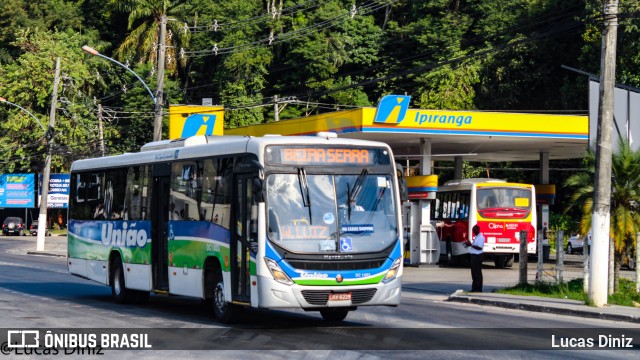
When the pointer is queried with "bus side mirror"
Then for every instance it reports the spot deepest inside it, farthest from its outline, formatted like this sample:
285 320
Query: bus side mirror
402 183
258 189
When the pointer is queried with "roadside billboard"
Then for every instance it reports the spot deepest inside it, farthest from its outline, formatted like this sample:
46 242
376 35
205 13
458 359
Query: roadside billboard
17 190
58 195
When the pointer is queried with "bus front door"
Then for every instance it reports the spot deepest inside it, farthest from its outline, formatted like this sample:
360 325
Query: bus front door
243 234
160 217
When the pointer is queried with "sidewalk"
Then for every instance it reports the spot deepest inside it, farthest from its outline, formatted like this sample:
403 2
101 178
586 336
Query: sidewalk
53 246
449 284
550 305
452 283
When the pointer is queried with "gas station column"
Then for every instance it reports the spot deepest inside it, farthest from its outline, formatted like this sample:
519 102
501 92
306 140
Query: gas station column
424 244
543 223
425 169
457 172
544 168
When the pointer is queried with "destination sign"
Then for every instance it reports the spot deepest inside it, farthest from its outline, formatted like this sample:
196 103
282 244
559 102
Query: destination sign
301 155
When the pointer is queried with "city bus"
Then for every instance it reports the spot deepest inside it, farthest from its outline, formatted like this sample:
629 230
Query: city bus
501 209
274 222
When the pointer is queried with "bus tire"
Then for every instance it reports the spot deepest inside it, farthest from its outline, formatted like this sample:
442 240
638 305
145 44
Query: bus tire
119 290
449 253
509 262
500 261
334 315
224 311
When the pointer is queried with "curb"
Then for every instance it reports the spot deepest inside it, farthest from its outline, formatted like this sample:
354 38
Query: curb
45 253
545 309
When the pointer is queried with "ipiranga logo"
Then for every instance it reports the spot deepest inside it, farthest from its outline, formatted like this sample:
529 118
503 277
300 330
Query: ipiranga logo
124 234
392 109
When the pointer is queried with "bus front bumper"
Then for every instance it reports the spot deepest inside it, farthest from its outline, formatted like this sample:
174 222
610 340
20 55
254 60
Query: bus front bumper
273 294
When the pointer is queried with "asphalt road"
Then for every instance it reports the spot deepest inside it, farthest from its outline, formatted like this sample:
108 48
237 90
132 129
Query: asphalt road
37 292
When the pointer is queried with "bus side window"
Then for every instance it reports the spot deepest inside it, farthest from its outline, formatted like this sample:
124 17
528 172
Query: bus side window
435 210
464 207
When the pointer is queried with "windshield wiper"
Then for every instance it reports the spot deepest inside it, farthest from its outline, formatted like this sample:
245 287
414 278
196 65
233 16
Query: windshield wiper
304 190
353 193
357 186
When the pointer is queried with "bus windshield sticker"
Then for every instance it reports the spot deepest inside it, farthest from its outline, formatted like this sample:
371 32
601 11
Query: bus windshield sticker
327 245
311 232
328 218
345 245
355 228
522 202
382 182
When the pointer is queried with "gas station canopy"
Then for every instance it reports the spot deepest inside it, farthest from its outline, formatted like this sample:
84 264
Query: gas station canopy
472 135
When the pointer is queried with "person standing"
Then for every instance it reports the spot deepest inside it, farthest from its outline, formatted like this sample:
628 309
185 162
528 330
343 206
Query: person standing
475 253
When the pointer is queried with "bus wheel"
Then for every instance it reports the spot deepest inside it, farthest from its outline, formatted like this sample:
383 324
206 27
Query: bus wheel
449 253
500 261
119 291
224 311
334 315
509 262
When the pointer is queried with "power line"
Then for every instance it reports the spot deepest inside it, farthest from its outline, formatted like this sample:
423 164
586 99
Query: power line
553 17
270 15
368 7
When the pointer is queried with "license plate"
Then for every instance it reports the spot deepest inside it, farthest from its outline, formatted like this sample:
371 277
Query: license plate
339 296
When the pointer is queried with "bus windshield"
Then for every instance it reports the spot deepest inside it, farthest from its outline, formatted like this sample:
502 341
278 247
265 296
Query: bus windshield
312 213
517 200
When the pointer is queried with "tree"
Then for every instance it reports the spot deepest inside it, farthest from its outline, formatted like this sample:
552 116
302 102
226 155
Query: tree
625 200
40 14
145 17
28 82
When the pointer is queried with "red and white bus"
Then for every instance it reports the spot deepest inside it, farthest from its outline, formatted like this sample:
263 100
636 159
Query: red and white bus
501 209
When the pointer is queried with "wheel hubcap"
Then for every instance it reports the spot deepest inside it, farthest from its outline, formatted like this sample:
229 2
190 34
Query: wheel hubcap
116 281
218 298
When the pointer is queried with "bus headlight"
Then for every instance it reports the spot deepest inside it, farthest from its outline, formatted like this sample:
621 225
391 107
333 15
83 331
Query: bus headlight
393 272
279 275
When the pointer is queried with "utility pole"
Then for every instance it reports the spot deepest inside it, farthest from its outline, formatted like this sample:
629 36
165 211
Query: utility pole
276 111
602 184
157 111
100 133
42 218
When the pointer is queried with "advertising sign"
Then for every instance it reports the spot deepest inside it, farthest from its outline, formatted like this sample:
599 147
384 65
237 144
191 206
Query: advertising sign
58 196
190 120
16 190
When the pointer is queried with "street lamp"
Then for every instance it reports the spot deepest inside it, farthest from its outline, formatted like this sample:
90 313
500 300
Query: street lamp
25 110
157 107
42 221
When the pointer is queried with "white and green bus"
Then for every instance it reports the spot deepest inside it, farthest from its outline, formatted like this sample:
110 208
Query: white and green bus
309 222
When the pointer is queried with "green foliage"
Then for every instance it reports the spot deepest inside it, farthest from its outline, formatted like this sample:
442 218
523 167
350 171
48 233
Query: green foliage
628 49
29 82
625 197
480 54
562 222
571 290
144 22
626 294
470 171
